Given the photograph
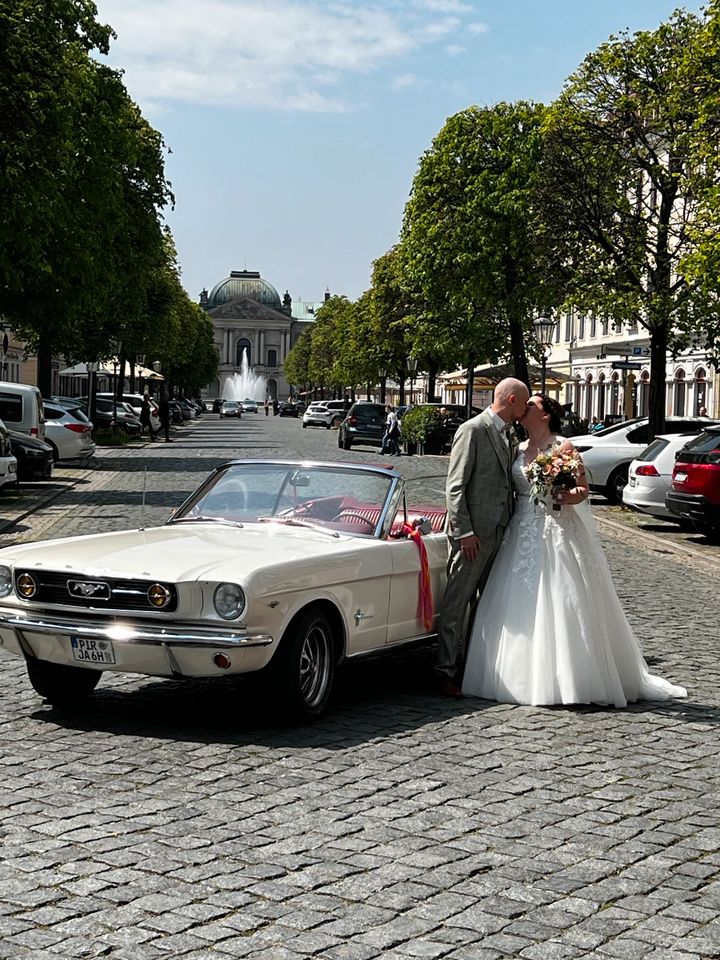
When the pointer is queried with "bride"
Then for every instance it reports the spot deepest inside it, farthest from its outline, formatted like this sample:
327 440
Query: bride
549 628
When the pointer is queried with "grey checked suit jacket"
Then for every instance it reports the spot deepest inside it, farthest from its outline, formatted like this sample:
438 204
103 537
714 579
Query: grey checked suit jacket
479 484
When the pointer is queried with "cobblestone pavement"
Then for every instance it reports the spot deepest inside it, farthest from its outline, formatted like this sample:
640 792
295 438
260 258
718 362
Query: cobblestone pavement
180 820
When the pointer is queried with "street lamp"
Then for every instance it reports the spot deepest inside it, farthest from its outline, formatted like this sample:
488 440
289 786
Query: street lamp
544 328
412 366
382 374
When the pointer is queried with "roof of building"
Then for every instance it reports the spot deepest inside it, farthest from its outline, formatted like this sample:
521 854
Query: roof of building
244 284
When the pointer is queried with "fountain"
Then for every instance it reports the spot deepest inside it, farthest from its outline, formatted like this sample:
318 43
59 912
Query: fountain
244 385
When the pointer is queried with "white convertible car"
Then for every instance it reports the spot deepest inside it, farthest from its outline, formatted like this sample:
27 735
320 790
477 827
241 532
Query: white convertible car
282 567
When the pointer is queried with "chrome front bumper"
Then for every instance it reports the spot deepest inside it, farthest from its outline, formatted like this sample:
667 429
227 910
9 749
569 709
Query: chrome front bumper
188 635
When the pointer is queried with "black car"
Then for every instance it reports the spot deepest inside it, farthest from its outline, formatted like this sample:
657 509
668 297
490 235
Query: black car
125 420
288 409
34 456
364 423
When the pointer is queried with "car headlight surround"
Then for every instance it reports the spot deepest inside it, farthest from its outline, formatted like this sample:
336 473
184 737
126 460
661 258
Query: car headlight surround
5 580
229 600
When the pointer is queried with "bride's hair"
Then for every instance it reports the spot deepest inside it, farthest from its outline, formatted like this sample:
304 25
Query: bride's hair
554 409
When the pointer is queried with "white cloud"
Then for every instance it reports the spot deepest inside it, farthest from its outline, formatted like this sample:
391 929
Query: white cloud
266 54
453 49
404 81
478 27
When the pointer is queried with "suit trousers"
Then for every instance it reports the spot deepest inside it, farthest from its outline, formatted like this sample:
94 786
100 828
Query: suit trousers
465 582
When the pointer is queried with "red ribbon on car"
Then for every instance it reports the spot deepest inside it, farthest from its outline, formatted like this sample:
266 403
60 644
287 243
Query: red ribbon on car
425 601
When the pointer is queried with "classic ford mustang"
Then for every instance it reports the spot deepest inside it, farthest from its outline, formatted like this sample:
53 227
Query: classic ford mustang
281 567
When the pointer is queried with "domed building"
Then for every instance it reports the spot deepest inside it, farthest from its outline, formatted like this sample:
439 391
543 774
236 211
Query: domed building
254 329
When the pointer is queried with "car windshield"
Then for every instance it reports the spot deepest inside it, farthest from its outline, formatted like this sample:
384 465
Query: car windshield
707 442
349 500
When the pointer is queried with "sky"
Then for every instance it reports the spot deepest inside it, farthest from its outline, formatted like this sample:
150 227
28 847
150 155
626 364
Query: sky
294 128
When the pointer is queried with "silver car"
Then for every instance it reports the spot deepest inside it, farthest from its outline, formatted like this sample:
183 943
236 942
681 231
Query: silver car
650 475
68 431
607 455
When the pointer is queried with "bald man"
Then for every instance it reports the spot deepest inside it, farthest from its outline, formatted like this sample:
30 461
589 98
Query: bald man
479 495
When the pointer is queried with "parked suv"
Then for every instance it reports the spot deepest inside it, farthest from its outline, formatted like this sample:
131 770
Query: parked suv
695 493
365 423
325 413
607 454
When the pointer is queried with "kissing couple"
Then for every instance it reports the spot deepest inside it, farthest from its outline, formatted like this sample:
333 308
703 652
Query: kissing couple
548 627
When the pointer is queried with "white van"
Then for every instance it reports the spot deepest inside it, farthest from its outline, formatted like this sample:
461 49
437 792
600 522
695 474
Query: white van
21 408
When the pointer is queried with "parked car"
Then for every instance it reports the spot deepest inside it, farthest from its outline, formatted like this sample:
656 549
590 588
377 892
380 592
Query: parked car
650 475
231 408
695 493
188 408
249 406
325 413
8 461
34 456
286 567
288 409
365 423
124 415
176 412
135 402
21 408
68 431
608 453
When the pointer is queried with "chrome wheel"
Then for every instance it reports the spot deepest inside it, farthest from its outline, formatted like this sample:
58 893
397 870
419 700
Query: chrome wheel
315 668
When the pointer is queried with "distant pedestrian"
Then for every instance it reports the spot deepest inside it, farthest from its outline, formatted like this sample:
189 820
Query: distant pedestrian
145 416
702 412
391 437
276 406
267 406
164 412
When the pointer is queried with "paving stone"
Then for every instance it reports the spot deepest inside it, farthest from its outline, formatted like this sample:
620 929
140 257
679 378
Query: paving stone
182 814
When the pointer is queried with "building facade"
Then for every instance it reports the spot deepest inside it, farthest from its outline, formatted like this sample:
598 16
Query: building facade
254 330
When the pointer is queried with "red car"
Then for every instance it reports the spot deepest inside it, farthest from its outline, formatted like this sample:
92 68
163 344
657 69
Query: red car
695 492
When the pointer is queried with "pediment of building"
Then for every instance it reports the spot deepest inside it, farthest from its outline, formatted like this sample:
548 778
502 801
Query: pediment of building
247 309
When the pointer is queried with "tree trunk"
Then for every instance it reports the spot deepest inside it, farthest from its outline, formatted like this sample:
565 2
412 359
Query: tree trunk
44 367
432 374
517 345
658 389
469 385
401 381
382 389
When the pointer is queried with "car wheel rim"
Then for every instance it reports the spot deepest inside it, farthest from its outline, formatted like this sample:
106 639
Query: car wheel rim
315 665
620 484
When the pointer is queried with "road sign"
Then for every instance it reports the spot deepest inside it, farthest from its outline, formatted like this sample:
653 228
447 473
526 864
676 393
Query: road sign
625 365
641 351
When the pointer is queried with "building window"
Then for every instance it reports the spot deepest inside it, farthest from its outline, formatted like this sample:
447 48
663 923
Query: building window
272 358
581 326
700 399
605 326
568 326
679 392
243 353
593 325
588 397
601 397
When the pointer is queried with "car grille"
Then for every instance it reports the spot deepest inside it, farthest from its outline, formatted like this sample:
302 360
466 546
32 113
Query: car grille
111 592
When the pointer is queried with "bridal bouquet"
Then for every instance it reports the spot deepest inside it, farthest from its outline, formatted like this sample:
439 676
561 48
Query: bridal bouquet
548 471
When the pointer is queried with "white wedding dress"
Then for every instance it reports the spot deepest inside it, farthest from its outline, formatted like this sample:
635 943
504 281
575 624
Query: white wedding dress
549 628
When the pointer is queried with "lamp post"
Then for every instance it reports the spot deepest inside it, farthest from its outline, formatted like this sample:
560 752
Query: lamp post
382 374
544 328
412 366
116 347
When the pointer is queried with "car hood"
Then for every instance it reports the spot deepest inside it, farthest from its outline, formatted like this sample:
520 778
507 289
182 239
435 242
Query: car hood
184 551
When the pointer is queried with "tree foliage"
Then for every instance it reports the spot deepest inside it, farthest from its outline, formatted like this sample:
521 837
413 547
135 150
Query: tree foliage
468 235
620 188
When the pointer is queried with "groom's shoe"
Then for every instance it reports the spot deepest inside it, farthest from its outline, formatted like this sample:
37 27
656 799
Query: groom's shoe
449 688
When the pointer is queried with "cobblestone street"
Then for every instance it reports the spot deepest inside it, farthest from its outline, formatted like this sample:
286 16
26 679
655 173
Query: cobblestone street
180 820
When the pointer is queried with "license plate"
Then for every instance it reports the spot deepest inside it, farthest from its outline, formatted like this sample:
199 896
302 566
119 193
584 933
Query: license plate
680 477
92 651
632 482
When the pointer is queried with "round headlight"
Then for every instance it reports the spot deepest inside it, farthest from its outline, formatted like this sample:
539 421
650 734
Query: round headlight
158 595
5 580
26 585
229 600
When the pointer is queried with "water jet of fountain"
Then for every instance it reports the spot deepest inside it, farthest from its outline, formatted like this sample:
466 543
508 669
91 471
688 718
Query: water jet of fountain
244 385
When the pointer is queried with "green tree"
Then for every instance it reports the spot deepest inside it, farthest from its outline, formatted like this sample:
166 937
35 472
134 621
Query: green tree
619 196
297 362
83 278
469 239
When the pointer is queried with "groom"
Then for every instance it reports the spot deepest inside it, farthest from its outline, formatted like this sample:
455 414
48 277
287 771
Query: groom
480 503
